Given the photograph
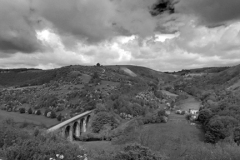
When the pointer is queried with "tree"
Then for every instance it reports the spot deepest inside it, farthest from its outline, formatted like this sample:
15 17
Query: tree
30 111
237 135
101 119
95 75
98 65
22 110
220 127
38 112
59 117
53 114
204 115
137 152
46 112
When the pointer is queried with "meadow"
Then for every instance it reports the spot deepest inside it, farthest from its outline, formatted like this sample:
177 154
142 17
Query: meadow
29 118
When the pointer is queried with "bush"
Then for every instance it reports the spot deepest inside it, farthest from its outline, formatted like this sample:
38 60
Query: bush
53 115
24 124
38 112
183 113
43 147
204 116
188 116
101 119
161 112
46 112
220 127
21 145
137 152
30 111
9 109
159 117
59 117
22 110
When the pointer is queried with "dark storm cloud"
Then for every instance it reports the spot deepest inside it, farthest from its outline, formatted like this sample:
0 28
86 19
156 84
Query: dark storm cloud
211 12
17 32
20 44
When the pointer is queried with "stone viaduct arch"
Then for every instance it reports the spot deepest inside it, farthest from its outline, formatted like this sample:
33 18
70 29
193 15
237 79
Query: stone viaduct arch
73 127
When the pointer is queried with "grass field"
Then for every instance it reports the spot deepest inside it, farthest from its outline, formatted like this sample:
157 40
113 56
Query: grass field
189 103
38 120
171 139
98 146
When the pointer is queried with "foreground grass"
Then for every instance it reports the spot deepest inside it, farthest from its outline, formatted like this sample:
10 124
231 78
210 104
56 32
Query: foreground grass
169 138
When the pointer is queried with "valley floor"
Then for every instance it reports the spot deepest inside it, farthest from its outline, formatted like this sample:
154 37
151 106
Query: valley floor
171 139
174 137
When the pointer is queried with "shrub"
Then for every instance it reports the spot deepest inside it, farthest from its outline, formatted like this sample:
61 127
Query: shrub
23 124
30 111
38 112
43 147
220 127
9 109
22 110
53 114
161 112
204 115
159 117
100 108
101 119
21 145
183 113
59 117
137 152
46 112
188 116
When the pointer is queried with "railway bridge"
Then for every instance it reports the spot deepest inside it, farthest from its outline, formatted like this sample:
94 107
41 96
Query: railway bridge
74 126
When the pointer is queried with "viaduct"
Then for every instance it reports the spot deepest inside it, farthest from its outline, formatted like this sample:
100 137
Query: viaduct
74 126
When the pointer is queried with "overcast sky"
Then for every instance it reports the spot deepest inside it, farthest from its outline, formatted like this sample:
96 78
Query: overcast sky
53 33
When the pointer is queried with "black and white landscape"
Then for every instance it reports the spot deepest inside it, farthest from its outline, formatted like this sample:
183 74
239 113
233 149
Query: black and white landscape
119 79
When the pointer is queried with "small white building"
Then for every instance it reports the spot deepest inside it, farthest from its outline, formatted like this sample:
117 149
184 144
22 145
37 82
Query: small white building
193 111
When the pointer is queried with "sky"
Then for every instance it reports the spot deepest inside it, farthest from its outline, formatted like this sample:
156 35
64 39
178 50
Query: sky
49 34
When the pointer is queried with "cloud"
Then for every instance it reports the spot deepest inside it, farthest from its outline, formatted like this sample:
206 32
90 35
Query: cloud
111 32
83 19
209 41
17 33
87 21
193 47
211 12
95 21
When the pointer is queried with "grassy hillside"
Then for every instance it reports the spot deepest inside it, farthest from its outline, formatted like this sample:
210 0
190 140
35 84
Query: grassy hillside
132 105
200 70
75 89
26 78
